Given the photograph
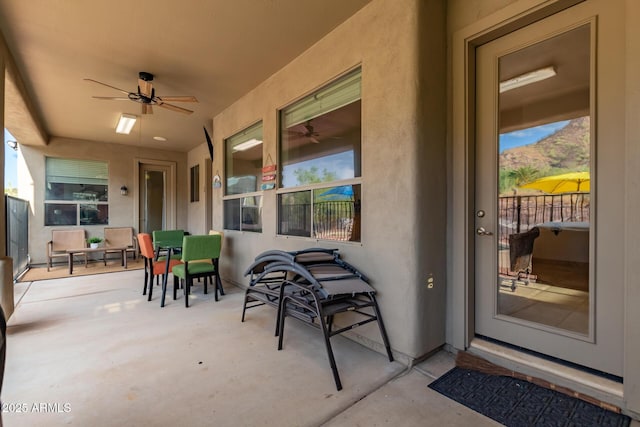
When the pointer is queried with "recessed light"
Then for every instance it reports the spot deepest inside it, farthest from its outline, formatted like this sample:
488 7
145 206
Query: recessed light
159 138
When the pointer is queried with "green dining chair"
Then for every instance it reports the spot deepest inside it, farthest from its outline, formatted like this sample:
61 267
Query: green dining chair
195 249
171 238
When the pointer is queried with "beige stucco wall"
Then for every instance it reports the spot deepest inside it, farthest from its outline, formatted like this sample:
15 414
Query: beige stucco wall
198 223
122 170
403 168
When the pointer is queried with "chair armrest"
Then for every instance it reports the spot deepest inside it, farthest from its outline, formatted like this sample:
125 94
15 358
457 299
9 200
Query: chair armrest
49 247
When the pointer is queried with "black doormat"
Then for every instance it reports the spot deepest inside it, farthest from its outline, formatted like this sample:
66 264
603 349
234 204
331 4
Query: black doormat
515 402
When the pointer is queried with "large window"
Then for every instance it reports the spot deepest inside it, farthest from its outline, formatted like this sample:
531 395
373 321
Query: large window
243 172
76 192
320 151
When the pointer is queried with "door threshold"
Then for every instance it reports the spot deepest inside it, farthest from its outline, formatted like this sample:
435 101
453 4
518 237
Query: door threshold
580 381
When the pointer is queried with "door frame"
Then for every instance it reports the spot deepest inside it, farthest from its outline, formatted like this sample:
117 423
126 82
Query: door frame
461 269
171 189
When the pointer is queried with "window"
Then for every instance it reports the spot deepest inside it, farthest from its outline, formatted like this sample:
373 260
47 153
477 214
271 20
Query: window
76 192
320 148
242 204
195 183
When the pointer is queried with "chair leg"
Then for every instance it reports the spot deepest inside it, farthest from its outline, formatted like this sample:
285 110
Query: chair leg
150 288
215 264
187 289
218 283
244 306
176 285
164 289
332 360
383 330
146 277
282 313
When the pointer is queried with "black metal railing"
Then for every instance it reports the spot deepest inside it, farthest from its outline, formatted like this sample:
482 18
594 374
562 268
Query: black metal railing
520 213
17 218
332 220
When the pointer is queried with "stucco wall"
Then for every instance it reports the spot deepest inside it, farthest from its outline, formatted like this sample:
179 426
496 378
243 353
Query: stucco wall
198 222
121 172
403 167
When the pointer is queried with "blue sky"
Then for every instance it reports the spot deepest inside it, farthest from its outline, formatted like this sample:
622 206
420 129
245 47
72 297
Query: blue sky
10 162
528 136
341 164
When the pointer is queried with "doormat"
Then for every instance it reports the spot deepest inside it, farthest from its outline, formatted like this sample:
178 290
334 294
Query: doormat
514 402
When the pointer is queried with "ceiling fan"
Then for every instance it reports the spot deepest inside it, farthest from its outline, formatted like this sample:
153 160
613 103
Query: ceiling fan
308 133
146 95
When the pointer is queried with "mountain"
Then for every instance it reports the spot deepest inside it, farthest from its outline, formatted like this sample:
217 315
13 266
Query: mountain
568 148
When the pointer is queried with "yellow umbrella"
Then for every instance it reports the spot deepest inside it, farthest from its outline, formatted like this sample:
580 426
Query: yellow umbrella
565 183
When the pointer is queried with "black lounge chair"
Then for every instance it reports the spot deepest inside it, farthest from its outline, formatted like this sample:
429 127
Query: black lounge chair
268 271
318 293
313 285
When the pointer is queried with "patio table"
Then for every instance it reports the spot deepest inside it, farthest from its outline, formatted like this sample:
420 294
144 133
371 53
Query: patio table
122 250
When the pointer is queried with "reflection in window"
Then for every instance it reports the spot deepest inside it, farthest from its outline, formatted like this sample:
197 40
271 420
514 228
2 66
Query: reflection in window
243 214
76 192
331 213
320 144
545 164
243 166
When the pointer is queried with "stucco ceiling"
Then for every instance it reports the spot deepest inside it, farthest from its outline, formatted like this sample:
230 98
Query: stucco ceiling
215 50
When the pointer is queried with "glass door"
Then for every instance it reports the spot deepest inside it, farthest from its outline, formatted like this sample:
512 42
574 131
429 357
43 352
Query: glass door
156 197
537 245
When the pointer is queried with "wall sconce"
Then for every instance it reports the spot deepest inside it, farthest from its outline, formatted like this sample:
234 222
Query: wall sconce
124 190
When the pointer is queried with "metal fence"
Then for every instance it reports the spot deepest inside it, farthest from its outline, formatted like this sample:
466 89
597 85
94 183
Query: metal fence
520 213
332 220
17 217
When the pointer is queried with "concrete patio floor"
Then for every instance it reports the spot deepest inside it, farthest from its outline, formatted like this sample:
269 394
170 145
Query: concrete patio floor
92 351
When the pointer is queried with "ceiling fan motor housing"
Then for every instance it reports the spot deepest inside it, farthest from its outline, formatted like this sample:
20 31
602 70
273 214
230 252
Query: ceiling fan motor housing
147 77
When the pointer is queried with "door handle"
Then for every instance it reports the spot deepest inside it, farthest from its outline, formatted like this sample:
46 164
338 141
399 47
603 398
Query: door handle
482 232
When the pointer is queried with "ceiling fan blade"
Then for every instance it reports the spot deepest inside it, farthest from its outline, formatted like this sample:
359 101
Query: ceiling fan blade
174 108
104 84
145 87
177 98
112 98
147 109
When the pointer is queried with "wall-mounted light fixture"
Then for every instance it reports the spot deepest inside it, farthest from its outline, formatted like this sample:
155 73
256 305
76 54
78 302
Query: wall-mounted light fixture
124 190
126 123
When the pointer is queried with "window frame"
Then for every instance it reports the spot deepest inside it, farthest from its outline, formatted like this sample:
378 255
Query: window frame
229 199
354 181
79 206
